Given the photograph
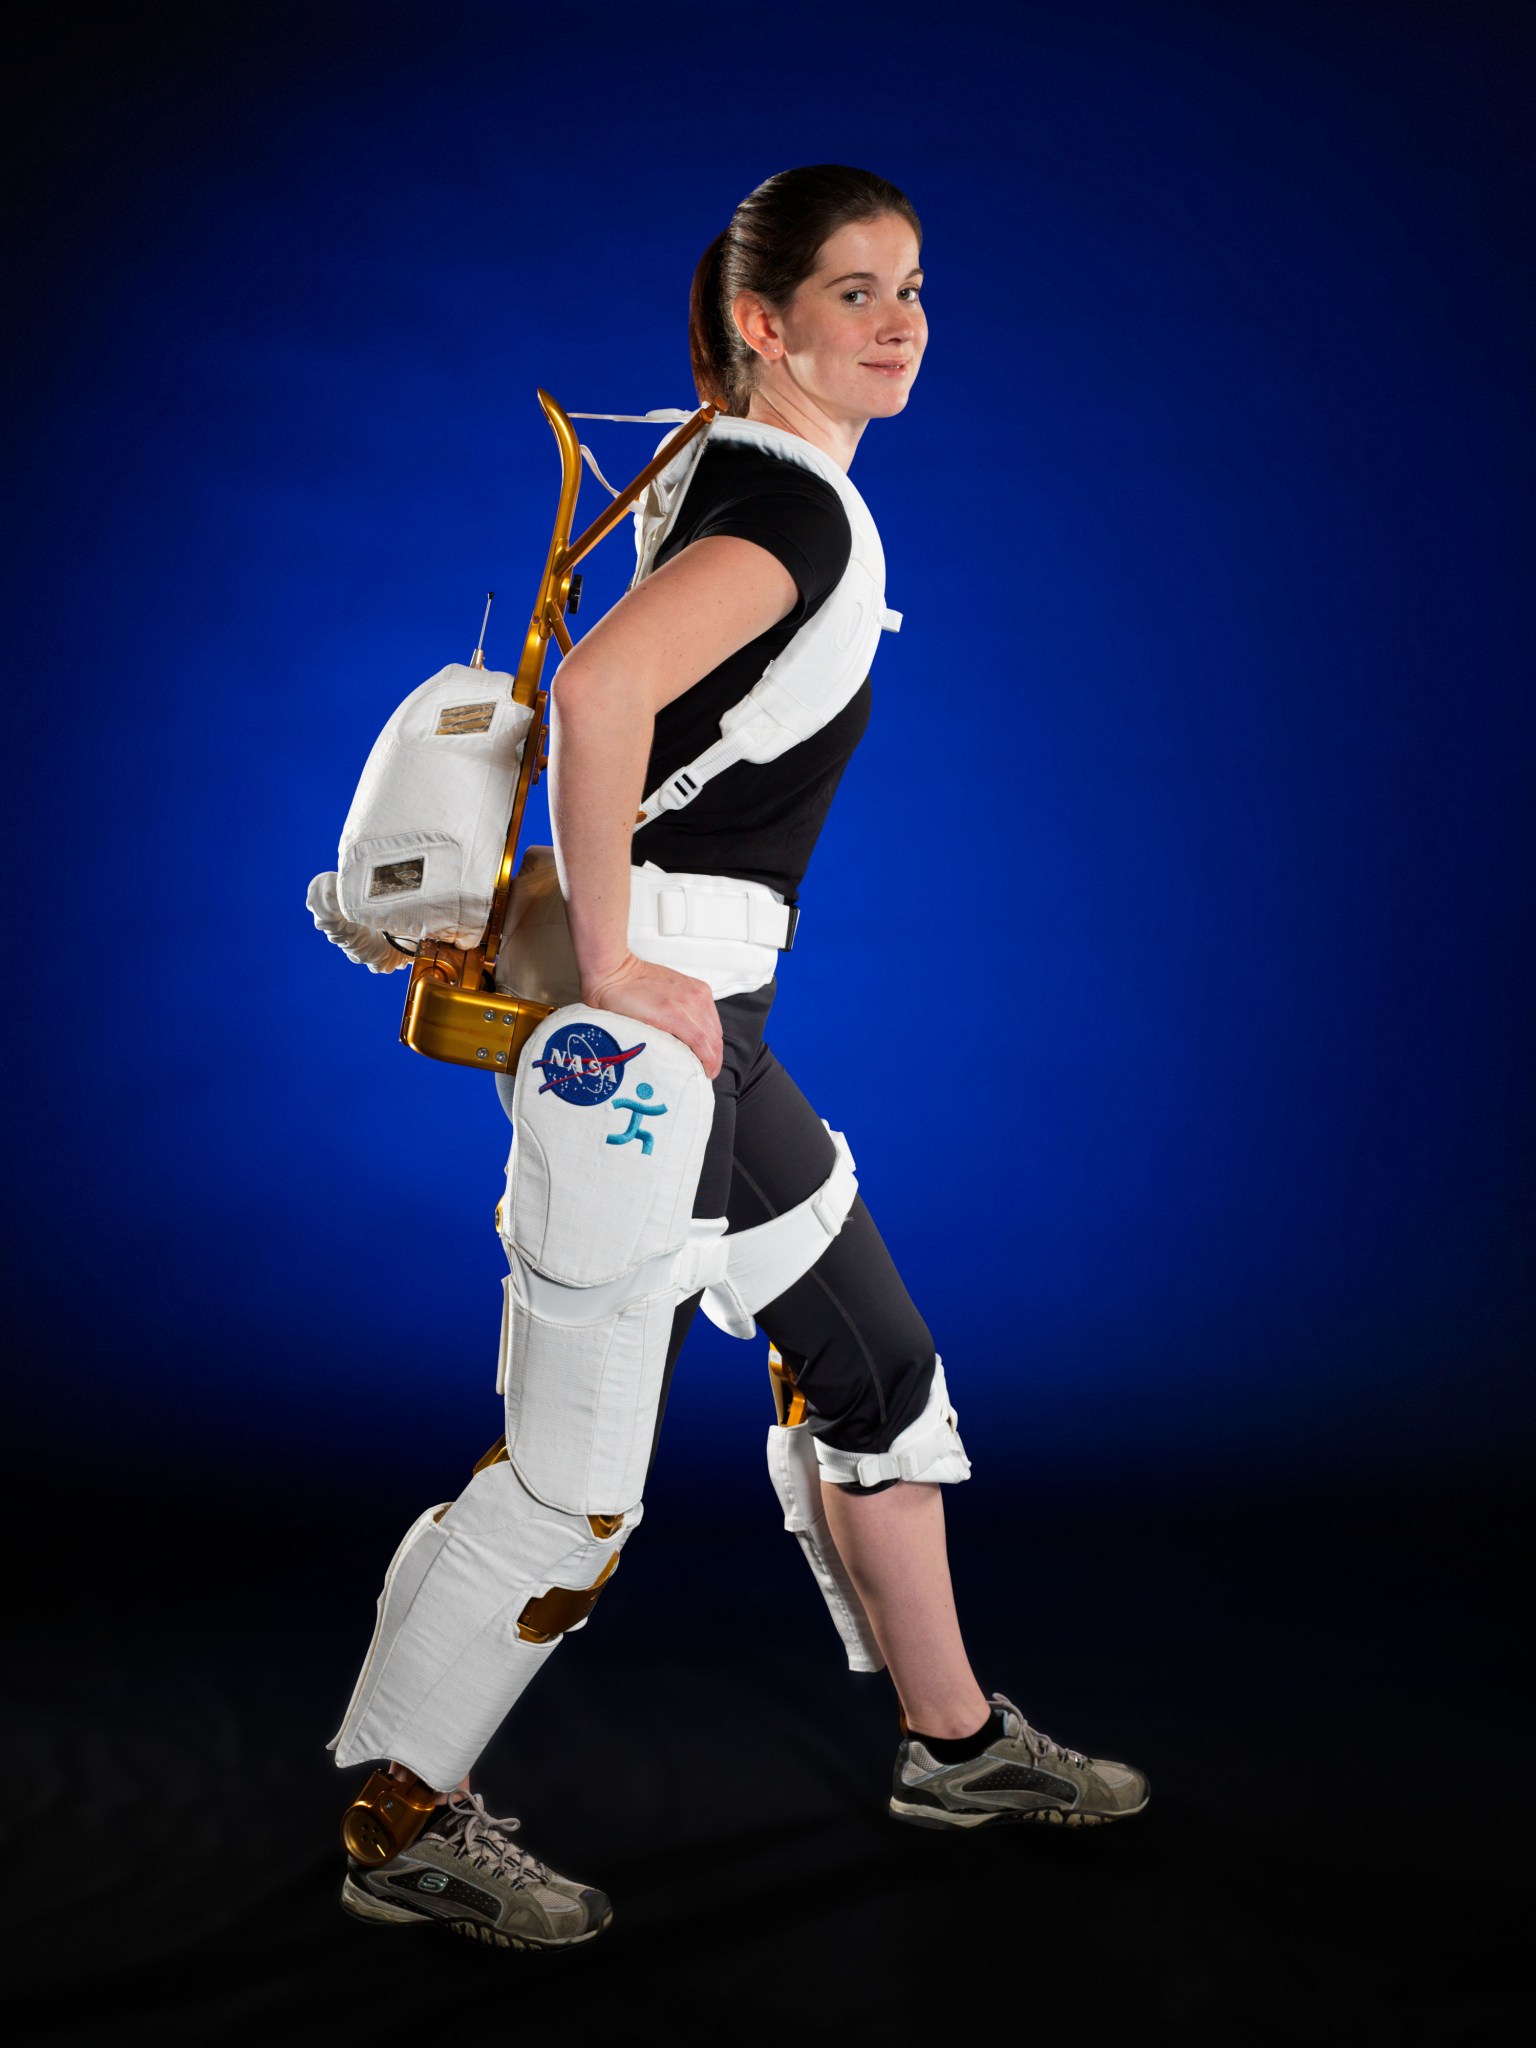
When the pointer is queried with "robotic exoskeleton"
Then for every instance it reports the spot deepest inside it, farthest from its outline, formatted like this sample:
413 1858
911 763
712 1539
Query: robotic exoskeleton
611 1119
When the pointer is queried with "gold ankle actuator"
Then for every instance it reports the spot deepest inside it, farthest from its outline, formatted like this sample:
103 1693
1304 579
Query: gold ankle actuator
386 1817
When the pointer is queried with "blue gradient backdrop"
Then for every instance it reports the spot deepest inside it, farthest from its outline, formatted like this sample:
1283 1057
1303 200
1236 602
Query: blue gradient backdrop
1166 958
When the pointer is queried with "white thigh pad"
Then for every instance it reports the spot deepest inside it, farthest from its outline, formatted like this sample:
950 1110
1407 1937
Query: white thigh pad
610 1119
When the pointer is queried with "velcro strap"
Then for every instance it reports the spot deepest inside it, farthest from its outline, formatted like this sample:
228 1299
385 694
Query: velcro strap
686 909
929 1448
763 1262
890 622
700 1262
909 1462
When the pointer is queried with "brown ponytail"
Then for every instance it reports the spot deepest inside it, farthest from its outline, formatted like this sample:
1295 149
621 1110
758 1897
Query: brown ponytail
708 343
771 247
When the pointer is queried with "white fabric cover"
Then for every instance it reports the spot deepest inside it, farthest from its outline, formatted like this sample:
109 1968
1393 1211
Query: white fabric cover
929 1448
594 1223
422 843
826 661
367 948
796 1480
446 1662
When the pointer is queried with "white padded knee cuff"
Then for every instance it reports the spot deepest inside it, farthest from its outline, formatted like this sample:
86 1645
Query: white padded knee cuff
929 1448
447 1661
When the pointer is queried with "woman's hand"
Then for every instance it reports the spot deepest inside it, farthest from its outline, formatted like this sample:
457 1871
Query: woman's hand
671 1001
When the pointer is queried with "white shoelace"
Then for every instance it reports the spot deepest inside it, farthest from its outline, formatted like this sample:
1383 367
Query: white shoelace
486 1841
1035 1740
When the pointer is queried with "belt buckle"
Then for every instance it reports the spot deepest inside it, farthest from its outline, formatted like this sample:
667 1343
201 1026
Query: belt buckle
790 927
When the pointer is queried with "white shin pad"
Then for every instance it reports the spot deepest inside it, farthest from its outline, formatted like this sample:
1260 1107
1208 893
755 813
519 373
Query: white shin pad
796 1480
929 1448
447 1660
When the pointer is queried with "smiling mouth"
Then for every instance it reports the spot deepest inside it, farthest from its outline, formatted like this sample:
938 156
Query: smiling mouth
896 363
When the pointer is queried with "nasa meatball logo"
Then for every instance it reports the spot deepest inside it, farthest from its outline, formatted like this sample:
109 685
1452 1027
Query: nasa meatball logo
584 1064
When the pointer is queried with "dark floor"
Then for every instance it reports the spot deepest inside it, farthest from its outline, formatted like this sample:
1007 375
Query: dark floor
1311 1678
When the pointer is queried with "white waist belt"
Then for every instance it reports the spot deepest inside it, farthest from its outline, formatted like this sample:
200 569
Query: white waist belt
709 907
722 931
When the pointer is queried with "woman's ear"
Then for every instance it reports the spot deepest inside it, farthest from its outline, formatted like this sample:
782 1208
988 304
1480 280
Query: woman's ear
757 324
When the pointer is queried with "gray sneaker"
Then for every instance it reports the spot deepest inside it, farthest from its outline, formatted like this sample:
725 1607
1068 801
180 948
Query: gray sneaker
1021 1776
465 1871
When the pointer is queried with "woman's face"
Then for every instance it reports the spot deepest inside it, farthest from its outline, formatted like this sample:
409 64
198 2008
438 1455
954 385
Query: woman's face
852 336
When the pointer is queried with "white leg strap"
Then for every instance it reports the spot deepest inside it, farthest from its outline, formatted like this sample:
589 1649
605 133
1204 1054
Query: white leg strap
797 1481
759 1264
929 1448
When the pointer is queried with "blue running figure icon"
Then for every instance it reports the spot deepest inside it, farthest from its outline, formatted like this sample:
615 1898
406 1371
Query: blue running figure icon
644 1107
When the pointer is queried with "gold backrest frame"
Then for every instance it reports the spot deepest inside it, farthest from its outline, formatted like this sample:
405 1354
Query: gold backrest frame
452 1010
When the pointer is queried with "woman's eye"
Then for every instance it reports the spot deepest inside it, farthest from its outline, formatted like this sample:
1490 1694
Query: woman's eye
914 289
858 291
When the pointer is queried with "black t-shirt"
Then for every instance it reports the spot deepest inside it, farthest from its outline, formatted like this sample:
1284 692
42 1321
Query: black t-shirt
756 820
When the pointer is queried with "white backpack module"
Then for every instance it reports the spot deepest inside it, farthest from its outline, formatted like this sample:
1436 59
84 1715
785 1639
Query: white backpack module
423 841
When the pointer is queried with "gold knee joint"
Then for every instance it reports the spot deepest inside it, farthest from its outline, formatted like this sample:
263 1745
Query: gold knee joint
550 1614
788 1401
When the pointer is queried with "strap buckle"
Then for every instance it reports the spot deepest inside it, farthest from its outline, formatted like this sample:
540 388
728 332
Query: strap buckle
790 927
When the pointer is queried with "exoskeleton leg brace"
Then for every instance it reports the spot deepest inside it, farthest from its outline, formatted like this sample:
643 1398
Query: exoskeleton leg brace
928 1449
611 1119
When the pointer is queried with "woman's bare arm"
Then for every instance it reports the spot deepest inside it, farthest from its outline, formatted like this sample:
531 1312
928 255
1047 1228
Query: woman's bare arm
658 641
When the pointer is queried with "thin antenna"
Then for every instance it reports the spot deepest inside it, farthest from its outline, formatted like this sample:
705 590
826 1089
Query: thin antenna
477 659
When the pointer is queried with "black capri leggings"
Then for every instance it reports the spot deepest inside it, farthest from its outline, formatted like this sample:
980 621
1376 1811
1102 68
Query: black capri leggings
848 1331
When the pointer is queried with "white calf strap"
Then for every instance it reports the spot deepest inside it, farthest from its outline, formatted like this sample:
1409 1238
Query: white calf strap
929 1448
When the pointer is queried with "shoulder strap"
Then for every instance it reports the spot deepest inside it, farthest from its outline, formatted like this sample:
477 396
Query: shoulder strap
806 686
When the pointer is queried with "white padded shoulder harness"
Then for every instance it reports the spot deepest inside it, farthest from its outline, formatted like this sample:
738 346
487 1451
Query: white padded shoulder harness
818 673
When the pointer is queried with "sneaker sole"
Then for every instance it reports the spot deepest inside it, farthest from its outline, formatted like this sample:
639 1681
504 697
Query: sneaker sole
362 1905
1050 1816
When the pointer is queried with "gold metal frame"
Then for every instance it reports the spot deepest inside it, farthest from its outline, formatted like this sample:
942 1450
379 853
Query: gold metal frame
452 1009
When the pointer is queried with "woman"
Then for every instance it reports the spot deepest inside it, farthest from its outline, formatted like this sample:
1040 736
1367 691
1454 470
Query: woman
806 324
